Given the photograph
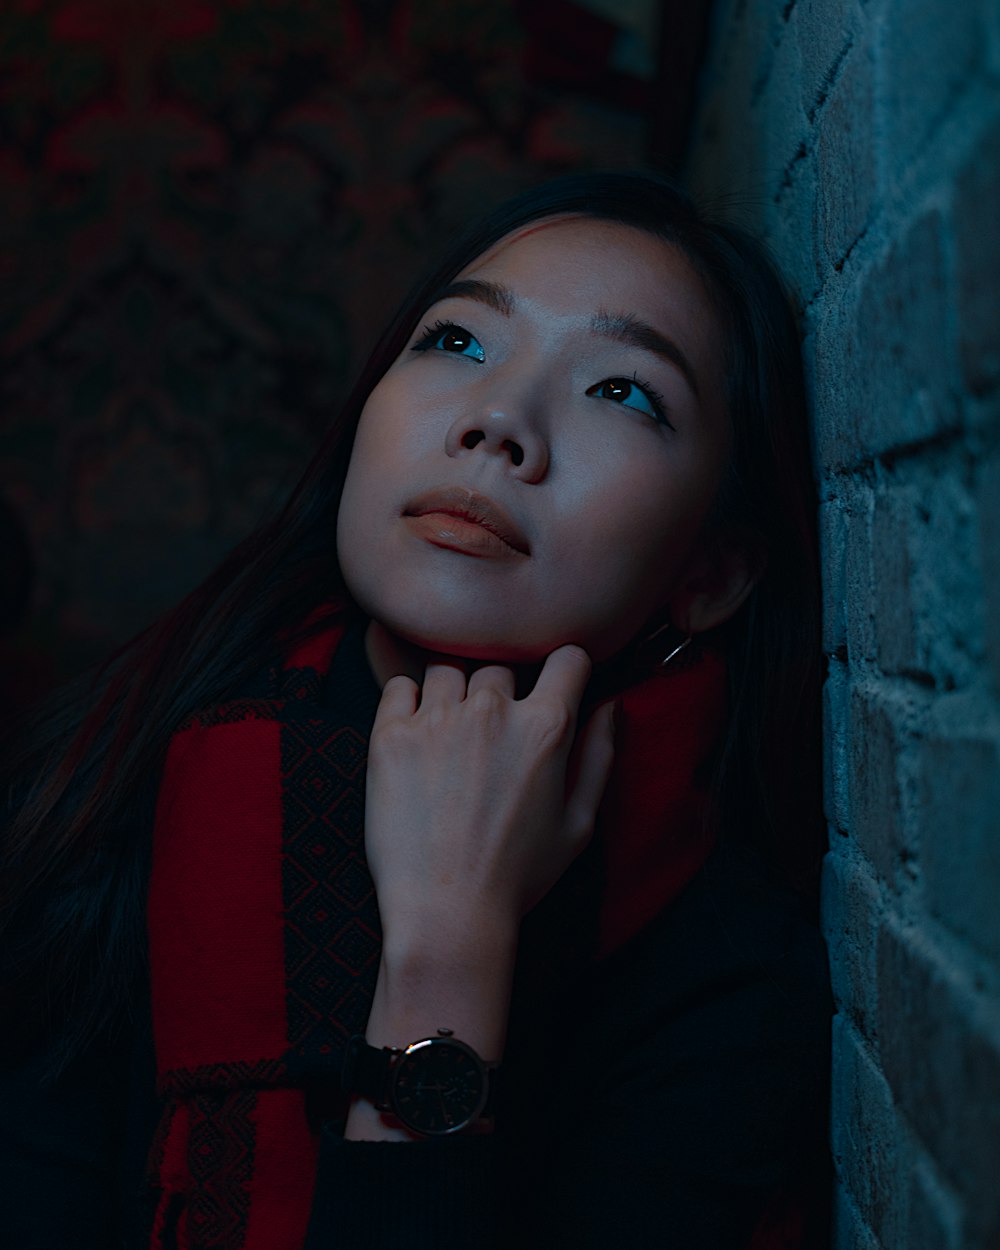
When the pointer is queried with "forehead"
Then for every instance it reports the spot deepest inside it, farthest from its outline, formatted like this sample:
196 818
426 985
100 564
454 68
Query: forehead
579 264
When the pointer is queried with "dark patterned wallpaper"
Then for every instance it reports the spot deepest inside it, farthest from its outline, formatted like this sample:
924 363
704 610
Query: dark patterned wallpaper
207 207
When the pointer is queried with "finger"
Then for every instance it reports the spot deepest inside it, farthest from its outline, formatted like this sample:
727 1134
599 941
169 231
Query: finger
399 698
590 768
564 676
493 677
443 683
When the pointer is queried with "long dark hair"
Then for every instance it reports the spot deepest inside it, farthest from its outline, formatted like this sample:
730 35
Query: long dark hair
80 767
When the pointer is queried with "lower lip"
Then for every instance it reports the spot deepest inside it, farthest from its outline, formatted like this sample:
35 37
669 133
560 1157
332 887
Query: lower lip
457 534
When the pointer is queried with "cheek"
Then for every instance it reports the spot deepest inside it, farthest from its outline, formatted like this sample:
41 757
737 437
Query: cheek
380 445
643 525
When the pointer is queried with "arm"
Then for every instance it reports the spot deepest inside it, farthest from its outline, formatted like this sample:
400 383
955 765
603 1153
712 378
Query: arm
468 822
659 1102
460 980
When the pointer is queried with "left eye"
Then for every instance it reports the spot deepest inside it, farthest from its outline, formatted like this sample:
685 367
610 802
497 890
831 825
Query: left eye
629 394
450 338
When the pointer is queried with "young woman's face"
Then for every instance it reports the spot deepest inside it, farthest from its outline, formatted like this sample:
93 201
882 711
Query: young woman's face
566 394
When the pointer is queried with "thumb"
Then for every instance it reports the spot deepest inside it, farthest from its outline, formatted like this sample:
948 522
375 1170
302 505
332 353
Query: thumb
589 769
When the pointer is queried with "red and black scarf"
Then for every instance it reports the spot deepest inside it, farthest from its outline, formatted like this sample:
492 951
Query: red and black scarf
263 923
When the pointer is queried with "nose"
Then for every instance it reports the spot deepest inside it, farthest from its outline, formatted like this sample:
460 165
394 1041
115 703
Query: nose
501 430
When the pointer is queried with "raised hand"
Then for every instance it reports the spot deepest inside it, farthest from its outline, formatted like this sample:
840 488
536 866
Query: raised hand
477 802
470 816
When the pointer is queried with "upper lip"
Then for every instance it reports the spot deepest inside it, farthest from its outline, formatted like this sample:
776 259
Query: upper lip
462 502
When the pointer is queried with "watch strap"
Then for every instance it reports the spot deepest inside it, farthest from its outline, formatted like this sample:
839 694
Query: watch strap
366 1070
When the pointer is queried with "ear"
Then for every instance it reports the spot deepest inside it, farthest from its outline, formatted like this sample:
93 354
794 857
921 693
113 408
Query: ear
717 581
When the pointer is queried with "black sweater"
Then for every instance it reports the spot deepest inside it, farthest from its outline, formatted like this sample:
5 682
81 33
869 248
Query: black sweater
661 1101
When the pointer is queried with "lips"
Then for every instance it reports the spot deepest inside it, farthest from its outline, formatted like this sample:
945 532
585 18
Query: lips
459 501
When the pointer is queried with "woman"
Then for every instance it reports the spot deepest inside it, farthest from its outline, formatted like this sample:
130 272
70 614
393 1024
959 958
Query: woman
279 987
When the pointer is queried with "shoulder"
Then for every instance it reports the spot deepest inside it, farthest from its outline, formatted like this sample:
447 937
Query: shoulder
685 1083
734 960
736 923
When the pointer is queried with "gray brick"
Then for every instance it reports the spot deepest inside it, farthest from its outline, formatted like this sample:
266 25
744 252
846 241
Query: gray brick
782 119
991 16
926 580
851 910
850 1232
871 1149
832 362
988 517
948 580
823 352
901 379
791 231
832 546
944 1070
928 52
846 161
836 763
874 744
935 1213
958 787
825 29
975 207
891 586
858 601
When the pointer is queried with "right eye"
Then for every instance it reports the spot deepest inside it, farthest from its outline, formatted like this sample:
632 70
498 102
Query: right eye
444 336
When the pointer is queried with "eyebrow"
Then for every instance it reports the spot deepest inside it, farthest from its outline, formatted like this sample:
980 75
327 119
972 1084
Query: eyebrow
625 328
622 327
492 294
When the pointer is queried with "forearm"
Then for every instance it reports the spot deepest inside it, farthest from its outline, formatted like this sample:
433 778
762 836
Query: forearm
436 977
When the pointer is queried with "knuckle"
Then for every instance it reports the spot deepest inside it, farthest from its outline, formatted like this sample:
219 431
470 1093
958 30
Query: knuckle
578 654
487 702
387 736
553 724
399 682
436 715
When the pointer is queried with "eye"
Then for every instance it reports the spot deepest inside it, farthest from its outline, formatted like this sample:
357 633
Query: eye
446 337
631 393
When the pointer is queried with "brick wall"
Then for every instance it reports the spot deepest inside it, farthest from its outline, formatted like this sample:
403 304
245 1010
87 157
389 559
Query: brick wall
862 137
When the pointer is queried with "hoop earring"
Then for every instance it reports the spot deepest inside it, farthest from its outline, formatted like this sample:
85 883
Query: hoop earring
676 651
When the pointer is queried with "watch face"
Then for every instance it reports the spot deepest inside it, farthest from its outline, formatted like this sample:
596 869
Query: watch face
438 1086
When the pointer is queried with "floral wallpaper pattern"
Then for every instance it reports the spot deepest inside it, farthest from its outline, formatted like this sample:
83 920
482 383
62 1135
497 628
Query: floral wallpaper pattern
207 207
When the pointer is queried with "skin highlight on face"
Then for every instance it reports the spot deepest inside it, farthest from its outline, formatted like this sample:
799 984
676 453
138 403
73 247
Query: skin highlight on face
570 379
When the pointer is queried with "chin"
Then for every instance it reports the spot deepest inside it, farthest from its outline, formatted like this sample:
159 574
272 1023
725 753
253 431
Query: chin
474 646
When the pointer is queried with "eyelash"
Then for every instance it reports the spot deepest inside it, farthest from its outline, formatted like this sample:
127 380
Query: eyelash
654 397
431 334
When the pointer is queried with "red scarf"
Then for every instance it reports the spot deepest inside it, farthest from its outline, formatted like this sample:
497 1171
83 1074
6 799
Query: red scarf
264 931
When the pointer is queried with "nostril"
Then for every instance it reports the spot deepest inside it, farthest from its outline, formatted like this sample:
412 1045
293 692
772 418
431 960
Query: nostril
516 454
472 438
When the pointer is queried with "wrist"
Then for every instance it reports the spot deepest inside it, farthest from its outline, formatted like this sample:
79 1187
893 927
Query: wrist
424 946
435 1087
421 990
462 987
455 916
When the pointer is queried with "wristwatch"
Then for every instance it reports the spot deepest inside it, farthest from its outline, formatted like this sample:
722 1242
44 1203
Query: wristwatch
435 1086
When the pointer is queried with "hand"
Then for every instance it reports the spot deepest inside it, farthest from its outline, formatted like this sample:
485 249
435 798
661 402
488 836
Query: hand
477 802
